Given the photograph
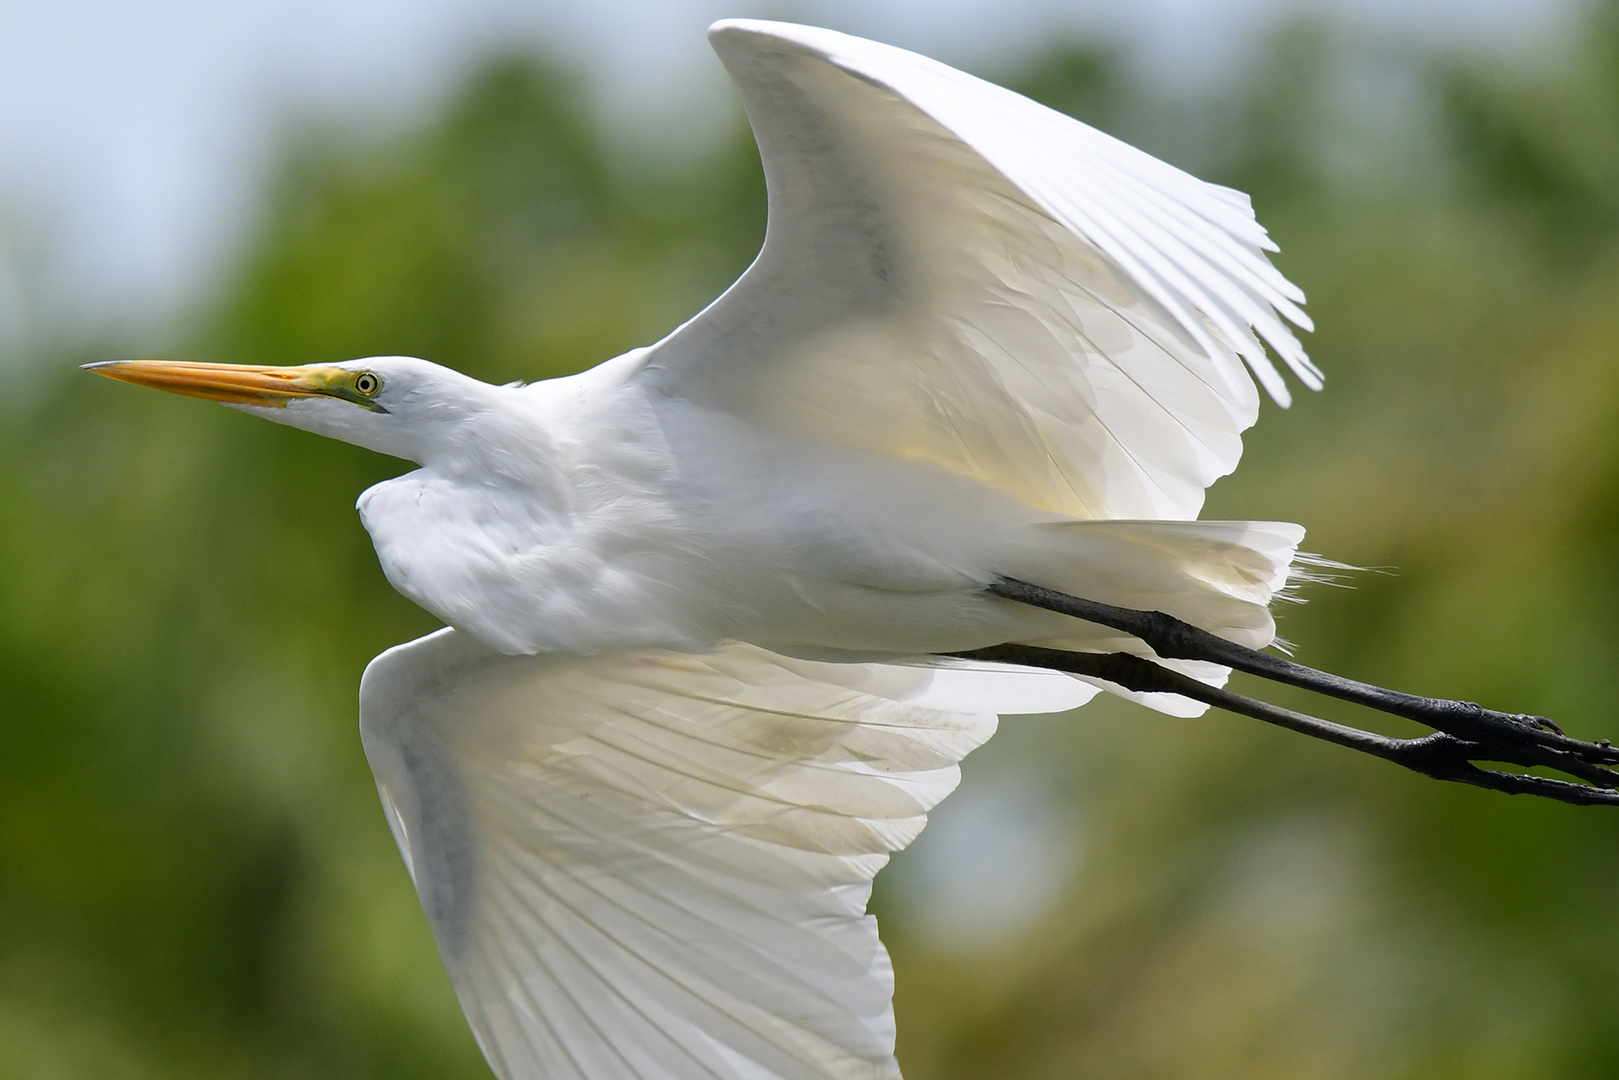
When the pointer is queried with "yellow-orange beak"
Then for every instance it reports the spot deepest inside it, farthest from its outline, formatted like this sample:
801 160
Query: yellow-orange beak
237 384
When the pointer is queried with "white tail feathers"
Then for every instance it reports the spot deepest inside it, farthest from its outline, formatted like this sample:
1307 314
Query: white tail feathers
1218 575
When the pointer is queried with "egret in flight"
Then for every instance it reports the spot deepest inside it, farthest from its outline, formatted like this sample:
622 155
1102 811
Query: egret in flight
724 613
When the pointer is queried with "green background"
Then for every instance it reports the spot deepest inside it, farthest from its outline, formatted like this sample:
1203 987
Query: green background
196 879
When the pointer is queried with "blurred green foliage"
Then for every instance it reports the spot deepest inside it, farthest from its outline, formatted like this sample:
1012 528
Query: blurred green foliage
196 879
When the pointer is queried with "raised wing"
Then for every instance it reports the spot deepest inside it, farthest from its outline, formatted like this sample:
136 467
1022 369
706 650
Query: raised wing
656 865
954 273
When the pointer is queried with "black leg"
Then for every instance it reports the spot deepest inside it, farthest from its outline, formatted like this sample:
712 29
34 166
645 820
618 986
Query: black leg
1464 732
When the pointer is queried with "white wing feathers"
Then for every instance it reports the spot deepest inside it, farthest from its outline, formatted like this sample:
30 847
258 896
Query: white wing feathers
657 865
954 273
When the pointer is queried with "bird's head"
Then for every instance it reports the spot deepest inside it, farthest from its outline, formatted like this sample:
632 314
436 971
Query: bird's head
394 405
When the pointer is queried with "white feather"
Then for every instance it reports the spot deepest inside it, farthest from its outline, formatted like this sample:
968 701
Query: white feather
955 274
653 864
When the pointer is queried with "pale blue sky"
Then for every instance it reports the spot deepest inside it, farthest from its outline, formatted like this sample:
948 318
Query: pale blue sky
130 132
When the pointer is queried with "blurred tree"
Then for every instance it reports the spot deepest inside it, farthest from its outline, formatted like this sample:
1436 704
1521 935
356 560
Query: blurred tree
1545 144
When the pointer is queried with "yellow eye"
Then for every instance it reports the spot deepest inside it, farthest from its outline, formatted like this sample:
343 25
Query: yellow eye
367 384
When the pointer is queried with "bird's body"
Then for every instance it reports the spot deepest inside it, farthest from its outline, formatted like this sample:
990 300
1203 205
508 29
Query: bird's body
591 513
603 519
690 697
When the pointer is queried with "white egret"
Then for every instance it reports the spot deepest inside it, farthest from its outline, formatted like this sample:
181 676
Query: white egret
688 698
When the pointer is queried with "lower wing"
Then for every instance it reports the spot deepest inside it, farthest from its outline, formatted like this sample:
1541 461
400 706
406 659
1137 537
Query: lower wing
651 864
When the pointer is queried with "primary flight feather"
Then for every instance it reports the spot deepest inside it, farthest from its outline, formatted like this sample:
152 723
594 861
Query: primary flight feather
688 699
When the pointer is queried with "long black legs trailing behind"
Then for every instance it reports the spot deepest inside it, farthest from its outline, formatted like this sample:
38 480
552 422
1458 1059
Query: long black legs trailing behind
1464 734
